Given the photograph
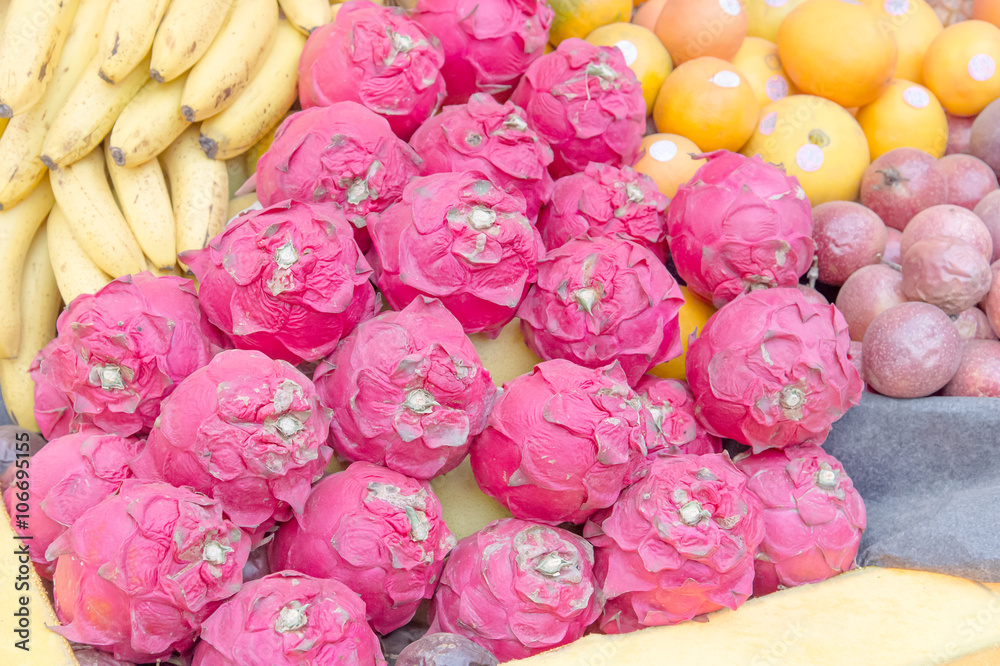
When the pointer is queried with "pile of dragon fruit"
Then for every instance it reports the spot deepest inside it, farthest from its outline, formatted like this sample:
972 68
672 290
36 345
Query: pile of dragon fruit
181 504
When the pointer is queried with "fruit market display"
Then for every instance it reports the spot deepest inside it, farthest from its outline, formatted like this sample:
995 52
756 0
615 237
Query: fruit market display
464 332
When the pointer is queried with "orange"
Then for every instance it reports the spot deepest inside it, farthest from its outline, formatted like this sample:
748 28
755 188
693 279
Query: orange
647 14
708 101
764 16
915 26
987 10
962 67
758 61
692 318
643 52
667 159
579 18
816 141
907 115
837 50
697 28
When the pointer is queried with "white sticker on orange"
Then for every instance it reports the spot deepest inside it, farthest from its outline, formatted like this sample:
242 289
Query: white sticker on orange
726 79
897 7
775 3
776 88
663 150
982 67
809 157
628 50
916 97
768 123
731 7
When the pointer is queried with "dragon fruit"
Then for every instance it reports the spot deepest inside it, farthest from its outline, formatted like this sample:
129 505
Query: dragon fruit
671 404
88 656
245 430
813 516
771 369
138 573
518 588
69 475
460 238
490 137
603 298
290 619
378 57
487 45
677 544
118 353
586 102
562 442
407 390
287 280
379 532
739 224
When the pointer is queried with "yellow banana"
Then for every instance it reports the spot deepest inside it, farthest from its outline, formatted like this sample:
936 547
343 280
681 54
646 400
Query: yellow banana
128 36
84 194
307 15
165 270
241 204
34 32
150 123
234 56
76 273
184 34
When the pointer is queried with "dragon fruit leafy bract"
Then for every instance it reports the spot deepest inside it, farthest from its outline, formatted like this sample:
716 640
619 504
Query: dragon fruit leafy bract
672 406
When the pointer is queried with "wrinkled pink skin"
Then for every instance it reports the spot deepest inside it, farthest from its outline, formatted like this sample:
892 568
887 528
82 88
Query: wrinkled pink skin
118 353
739 224
672 409
378 57
813 517
854 352
945 272
812 295
586 102
771 370
375 530
959 133
518 588
978 374
679 543
606 200
588 420
911 350
991 304
407 390
69 475
848 236
988 210
87 656
138 573
290 619
969 179
892 253
494 138
948 220
984 137
600 299
487 45
869 292
246 430
901 183
462 239
973 324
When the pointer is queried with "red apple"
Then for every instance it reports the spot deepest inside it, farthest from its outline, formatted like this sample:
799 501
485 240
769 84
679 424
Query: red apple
901 183
969 179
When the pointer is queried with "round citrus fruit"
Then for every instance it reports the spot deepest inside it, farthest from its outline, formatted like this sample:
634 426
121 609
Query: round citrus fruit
759 63
579 18
697 28
647 14
907 115
668 160
644 54
764 16
692 318
962 67
987 10
915 26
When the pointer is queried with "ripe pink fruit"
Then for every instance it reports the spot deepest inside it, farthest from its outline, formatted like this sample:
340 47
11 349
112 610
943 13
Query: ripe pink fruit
848 236
518 588
462 239
948 220
973 324
445 649
138 573
671 404
379 532
946 272
988 210
969 179
901 183
562 442
246 430
118 353
978 374
812 294
739 224
813 516
959 133
378 57
407 390
677 544
984 136
771 370
869 292
586 102
894 240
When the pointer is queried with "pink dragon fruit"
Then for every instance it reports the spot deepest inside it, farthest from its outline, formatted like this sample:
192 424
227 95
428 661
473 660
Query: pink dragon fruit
246 430
407 390
287 280
494 138
603 298
813 516
677 544
378 57
460 238
671 404
138 573
562 442
69 475
289 619
608 200
739 224
518 588
487 45
379 532
586 102
771 369
118 353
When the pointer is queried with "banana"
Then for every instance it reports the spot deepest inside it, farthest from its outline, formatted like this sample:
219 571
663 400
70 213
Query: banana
128 36
3 125
17 227
34 33
185 33
262 104
84 194
307 15
241 204
233 58
199 189
150 123
89 114
165 270
76 273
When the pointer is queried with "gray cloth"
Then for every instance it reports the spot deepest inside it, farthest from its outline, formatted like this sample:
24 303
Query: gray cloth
4 416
